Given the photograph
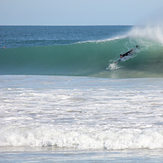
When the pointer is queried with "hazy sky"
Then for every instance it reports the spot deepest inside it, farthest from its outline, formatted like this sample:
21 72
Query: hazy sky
78 12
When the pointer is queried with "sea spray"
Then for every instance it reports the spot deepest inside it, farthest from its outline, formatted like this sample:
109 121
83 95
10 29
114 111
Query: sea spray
149 32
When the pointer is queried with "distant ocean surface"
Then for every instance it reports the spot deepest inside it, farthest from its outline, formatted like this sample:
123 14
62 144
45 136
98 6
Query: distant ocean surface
62 98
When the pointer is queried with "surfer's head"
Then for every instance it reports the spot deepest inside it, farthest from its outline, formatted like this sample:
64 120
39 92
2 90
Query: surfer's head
121 55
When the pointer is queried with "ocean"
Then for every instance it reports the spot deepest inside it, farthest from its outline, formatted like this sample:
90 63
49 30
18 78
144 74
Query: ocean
62 98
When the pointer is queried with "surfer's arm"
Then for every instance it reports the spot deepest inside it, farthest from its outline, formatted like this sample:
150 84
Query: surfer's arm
131 50
117 61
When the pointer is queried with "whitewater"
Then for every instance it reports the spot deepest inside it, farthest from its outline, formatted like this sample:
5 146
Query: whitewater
62 98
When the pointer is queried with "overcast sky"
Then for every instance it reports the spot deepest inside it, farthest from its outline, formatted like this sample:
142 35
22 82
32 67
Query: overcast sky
79 12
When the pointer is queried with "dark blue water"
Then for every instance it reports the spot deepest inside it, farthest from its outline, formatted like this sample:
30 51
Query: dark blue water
29 36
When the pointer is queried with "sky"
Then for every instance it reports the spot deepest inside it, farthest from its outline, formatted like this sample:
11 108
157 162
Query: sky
79 12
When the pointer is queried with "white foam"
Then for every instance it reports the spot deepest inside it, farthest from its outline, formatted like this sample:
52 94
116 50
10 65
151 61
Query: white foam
113 66
151 32
85 113
87 138
105 40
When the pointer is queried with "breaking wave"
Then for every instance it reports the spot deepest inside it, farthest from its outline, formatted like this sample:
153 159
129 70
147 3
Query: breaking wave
90 58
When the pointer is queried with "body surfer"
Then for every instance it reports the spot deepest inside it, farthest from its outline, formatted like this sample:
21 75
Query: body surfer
125 54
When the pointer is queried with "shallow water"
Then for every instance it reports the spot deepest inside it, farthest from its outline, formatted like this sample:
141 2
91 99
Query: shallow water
51 154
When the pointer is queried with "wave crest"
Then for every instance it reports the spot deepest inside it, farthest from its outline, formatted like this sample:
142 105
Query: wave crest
91 58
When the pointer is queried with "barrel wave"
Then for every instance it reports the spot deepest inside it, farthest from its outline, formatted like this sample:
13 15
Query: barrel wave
89 58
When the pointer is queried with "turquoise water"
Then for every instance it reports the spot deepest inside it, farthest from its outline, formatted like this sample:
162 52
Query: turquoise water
79 51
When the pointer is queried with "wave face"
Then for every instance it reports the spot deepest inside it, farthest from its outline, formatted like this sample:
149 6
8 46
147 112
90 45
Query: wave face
89 58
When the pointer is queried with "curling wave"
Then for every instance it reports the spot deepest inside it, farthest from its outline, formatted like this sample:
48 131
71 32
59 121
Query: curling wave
93 58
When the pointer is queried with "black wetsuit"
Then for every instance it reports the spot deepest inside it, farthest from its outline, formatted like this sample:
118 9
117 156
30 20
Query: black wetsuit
127 53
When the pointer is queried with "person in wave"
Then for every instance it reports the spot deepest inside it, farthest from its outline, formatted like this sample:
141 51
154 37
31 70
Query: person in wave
125 54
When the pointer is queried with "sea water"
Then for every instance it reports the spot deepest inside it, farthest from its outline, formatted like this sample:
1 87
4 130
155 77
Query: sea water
62 100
